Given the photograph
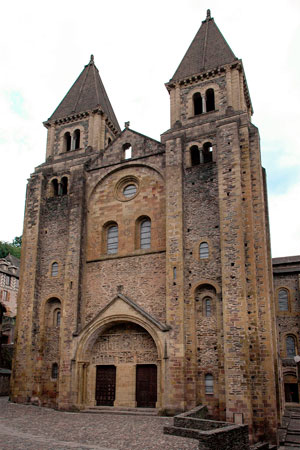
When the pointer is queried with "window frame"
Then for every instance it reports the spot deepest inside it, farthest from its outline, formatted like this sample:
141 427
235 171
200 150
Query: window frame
201 246
112 250
295 347
145 245
283 289
209 384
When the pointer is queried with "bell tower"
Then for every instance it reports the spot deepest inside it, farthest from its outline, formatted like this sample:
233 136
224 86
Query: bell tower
218 240
84 118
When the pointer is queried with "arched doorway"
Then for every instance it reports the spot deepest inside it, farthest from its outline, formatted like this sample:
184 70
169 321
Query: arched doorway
122 367
291 390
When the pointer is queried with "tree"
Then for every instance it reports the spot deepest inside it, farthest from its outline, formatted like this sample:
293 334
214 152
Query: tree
17 242
14 248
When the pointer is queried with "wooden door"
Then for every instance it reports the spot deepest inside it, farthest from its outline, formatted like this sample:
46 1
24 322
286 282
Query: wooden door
105 385
146 385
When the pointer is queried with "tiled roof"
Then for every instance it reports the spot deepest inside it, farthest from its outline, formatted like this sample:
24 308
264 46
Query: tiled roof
87 93
207 51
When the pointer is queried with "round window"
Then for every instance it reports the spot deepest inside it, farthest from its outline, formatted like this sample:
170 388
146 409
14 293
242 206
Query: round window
129 190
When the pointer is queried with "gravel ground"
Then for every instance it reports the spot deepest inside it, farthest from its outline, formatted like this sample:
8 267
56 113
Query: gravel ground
30 427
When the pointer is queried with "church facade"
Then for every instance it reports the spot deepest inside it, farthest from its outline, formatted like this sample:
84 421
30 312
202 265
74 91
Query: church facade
146 275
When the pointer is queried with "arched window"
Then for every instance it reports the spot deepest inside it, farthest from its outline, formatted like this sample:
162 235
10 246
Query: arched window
195 155
64 185
208 306
54 269
76 139
54 184
54 371
210 100
290 347
57 317
127 151
203 250
67 141
112 239
145 234
209 384
197 102
283 300
207 152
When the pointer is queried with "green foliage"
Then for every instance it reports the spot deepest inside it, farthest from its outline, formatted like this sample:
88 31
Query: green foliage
17 242
13 248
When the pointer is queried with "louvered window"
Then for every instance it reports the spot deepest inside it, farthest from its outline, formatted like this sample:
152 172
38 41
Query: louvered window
203 250
290 347
209 384
54 269
129 190
112 239
283 301
146 234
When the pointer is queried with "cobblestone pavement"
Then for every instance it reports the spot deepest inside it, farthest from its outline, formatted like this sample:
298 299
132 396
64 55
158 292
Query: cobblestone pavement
29 427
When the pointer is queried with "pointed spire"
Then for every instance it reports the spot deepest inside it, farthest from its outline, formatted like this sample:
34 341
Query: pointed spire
87 93
207 51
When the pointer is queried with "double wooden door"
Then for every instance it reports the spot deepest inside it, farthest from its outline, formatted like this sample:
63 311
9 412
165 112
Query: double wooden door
146 385
105 385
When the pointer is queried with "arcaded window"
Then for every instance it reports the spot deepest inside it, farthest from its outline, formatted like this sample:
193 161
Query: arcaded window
127 151
203 250
76 138
54 269
64 185
67 142
54 184
207 152
197 102
209 384
283 300
208 306
112 239
290 346
145 234
195 155
54 371
210 100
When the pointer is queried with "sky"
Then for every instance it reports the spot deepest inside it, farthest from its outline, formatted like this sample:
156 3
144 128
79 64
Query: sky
137 47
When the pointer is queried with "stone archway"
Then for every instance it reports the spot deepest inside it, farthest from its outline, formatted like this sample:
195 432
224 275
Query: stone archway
113 358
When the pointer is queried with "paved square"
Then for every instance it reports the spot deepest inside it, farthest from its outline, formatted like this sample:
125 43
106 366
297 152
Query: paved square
30 427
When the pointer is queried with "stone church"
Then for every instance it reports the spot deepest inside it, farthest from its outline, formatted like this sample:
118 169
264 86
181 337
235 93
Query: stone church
146 274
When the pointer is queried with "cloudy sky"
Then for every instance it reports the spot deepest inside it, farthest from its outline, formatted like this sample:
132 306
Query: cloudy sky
138 46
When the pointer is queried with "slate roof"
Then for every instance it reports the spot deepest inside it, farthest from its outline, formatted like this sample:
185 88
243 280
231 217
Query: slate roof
207 51
87 93
12 261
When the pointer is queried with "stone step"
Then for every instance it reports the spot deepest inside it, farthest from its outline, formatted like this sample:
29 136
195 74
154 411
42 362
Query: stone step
121 411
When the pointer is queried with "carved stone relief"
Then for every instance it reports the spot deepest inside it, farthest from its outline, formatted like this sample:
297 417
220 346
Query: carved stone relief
123 344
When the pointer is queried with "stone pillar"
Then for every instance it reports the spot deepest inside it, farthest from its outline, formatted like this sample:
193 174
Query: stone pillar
175 367
125 385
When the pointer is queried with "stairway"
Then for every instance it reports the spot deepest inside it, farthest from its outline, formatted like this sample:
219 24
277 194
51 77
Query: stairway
289 432
121 410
